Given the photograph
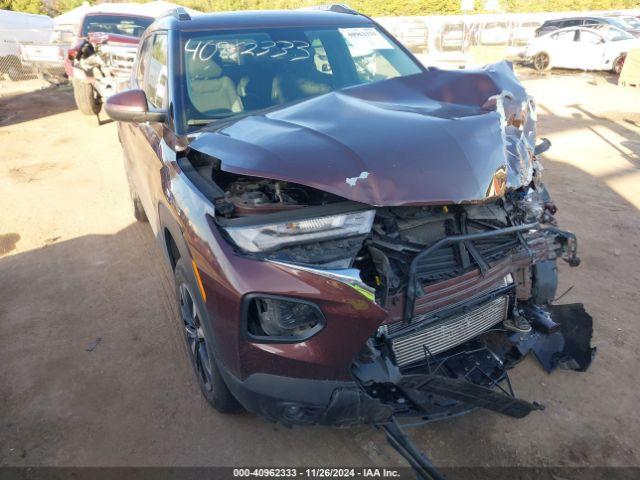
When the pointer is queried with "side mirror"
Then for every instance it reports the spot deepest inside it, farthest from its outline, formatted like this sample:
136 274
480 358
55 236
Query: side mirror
132 106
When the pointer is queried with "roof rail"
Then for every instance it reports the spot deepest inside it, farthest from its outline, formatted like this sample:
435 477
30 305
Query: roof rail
333 7
179 12
182 14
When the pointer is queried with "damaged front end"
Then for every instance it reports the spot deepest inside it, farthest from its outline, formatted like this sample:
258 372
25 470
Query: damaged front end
433 209
105 60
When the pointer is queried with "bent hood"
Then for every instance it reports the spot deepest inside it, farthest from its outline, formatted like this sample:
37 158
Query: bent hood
438 137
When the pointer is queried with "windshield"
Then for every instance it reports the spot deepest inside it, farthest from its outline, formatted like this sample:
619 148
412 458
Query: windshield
237 73
120 24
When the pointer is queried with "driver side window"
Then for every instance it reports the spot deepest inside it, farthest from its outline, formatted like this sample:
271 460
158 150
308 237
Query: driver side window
155 83
567 36
589 38
151 74
143 62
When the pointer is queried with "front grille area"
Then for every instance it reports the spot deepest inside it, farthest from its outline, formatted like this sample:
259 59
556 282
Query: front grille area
449 332
446 262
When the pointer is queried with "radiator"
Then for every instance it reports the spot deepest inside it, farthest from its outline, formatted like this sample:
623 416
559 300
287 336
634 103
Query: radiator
448 333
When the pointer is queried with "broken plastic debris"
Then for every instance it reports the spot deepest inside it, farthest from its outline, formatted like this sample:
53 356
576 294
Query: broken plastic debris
92 346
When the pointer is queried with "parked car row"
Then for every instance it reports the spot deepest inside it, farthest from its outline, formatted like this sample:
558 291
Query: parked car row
419 35
598 47
460 35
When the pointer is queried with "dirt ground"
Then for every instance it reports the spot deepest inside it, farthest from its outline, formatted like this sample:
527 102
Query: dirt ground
75 269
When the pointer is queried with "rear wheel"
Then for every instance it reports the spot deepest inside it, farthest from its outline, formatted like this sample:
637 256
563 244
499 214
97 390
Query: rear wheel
541 62
86 97
13 68
199 346
618 64
14 73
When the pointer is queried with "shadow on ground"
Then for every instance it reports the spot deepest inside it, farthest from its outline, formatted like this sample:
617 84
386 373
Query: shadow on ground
129 398
27 106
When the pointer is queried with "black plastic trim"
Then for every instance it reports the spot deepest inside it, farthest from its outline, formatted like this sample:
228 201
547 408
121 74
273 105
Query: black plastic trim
244 324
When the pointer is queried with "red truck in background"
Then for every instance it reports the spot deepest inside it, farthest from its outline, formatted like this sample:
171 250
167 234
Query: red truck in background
103 57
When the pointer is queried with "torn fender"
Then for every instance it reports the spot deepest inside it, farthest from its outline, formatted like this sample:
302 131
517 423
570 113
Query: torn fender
430 138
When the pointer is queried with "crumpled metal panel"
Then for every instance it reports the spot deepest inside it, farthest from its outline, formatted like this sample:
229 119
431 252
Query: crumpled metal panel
438 137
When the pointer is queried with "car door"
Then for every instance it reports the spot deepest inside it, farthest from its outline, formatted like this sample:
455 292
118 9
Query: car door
561 48
147 137
589 51
129 133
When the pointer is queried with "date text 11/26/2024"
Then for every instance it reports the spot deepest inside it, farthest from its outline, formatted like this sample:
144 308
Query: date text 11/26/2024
316 473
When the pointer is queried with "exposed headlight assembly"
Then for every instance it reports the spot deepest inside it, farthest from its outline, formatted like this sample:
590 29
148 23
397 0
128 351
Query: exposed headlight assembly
272 236
278 319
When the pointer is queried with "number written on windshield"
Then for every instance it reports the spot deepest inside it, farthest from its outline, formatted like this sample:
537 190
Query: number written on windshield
204 51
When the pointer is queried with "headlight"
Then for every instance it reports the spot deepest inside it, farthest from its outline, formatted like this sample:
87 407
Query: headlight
261 238
275 319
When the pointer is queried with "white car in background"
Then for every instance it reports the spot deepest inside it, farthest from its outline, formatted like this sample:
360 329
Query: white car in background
594 48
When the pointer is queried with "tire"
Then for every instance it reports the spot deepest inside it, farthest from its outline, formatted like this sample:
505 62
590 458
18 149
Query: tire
199 345
86 98
541 62
14 73
618 63
12 67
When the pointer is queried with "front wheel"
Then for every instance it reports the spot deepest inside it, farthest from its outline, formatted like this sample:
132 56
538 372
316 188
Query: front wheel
86 97
199 346
541 62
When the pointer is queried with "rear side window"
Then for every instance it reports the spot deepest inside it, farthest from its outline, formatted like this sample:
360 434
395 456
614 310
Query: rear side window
572 23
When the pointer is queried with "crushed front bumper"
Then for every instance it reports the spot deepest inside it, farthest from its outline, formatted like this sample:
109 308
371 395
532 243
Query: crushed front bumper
471 376
300 384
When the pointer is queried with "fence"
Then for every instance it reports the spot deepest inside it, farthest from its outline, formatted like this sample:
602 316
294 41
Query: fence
26 54
451 38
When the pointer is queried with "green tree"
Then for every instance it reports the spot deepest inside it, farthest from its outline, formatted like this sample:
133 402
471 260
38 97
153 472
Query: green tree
368 7
66 5
27 6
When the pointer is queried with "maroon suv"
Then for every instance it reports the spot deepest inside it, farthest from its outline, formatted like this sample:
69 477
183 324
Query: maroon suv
355 237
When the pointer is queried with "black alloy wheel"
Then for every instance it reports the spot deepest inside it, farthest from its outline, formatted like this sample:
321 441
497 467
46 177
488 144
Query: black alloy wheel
194 336
541 62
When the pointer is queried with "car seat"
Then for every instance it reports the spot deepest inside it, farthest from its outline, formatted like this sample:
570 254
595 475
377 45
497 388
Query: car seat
208 89
298 80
